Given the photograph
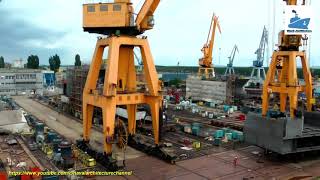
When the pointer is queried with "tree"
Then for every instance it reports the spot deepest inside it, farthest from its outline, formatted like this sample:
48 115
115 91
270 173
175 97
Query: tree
2 64
54 62
33 62
77 60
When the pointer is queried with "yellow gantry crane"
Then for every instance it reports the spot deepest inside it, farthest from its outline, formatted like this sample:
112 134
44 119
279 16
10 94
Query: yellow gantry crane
206 68
282 75
118 21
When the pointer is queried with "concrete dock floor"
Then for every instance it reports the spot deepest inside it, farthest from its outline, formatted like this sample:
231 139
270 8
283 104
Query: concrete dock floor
215 166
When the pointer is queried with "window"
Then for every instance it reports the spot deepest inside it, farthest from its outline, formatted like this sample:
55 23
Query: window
104 8
117 7
91 9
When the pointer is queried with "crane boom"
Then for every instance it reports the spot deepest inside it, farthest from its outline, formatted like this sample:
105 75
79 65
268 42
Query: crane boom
262 48
144 20
205 63
213 28
206 60
232 55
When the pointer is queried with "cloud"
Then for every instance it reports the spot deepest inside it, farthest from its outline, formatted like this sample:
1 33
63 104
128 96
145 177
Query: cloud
22 38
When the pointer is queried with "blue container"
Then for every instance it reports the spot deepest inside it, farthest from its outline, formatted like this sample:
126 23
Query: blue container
65 147
51 136
218 134
56 143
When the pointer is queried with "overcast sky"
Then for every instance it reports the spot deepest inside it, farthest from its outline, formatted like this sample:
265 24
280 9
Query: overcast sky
48 27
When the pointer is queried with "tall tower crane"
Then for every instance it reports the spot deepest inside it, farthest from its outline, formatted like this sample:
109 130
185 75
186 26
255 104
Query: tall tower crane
254 86
117 21
205 63
230 69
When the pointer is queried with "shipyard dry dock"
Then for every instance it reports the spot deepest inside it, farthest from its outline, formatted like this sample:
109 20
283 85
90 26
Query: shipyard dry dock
246 162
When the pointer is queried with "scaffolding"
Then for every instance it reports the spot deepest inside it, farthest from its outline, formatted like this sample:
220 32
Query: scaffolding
76 79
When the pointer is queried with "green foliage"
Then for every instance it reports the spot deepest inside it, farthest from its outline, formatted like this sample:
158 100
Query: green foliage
54 63
243 71
2 64
175 82
33 62
77 60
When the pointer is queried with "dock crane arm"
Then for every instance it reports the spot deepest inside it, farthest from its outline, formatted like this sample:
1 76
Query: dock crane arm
206 60
214 25
144 20
232 55
262 48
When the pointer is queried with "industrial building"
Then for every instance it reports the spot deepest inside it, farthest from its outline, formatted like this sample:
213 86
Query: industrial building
219 91
21 81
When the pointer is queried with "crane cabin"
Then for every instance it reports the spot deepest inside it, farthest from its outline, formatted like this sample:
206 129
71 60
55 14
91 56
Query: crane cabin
114 18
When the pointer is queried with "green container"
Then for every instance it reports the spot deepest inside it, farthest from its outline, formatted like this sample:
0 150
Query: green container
226 108
229 136
235 135
196 124
240 136
226 130
196 130
217 141
218 134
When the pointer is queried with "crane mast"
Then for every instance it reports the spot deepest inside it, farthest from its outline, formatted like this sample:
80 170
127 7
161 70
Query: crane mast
120 83
205 63
262 48
230 70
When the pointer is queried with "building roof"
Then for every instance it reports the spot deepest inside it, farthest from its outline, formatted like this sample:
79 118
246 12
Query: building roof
17 70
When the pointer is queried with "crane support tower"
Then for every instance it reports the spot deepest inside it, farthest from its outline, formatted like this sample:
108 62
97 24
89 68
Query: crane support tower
286 130
254 86
117 20
230 70
206 68
282 76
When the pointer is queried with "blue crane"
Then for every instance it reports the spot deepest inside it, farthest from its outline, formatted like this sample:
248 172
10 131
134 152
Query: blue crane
254 86
262 48
230 69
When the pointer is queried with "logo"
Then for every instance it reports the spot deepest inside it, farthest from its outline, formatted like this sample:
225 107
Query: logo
298 20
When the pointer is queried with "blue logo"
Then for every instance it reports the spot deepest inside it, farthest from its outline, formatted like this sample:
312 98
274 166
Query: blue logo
297 22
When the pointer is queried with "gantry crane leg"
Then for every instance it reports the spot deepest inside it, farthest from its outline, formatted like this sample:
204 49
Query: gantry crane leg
120 87
287 84
206 72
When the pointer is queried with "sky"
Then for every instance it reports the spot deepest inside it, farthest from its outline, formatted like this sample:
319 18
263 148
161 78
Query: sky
49 27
